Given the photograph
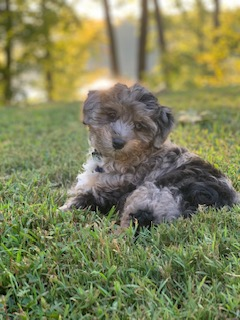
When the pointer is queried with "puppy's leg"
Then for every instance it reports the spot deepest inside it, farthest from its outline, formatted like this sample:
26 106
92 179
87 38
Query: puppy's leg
80 195
79 200
100 190
150 204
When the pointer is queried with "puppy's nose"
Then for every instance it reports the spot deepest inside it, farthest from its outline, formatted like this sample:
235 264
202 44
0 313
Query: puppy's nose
118 143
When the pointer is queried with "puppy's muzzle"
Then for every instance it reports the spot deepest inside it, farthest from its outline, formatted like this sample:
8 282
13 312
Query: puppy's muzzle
118 143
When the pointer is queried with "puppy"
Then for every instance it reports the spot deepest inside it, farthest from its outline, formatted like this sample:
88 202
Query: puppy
134 167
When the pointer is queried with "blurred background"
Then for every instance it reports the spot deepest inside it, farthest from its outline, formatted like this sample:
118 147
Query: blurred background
56 50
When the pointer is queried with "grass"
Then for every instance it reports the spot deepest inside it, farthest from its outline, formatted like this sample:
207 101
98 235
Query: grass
72 266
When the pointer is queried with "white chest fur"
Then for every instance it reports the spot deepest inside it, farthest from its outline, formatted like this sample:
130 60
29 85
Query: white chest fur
87 179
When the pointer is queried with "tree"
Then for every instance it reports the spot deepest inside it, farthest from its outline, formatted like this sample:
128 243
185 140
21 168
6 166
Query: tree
6 69
26 29
216 20
111 37
47 24
44 47
161 41
200 22
216 14
47 19
142 39
160 27
46 32
11 30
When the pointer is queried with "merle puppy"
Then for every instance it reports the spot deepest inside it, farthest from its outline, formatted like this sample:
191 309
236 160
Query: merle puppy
134 167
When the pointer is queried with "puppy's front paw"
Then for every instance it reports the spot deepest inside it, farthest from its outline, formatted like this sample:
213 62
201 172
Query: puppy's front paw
82 201
64 208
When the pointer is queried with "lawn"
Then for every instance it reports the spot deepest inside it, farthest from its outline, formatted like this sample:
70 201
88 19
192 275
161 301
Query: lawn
72 266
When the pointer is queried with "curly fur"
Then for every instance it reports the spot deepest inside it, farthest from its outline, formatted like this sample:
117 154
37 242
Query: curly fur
136 168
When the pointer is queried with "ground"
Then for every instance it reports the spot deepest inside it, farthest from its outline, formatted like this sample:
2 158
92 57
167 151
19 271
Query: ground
72 265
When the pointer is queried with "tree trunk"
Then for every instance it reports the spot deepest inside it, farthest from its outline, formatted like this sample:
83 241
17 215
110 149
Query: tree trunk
216 14
160 27
201 22
49 85
49 77
8 91
162 42
112 44
142 40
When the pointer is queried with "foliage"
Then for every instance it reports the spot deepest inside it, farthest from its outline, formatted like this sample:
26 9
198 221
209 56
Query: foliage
48 47
221 62
198 55
10 33
72 266
71 53
51 48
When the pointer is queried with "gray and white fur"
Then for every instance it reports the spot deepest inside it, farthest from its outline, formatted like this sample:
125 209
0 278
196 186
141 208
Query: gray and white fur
134 166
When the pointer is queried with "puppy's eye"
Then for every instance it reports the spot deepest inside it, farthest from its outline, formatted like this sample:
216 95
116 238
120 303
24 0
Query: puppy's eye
112 115
139 126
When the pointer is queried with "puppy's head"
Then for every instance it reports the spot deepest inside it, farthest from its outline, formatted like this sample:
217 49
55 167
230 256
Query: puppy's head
126 121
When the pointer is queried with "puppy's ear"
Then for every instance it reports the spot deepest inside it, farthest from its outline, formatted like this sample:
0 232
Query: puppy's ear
119 87
165 122
141 94
92 102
